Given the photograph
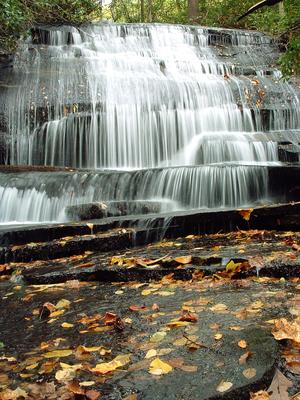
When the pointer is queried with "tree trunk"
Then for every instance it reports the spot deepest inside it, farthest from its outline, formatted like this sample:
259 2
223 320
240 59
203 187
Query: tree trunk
142 10
193 11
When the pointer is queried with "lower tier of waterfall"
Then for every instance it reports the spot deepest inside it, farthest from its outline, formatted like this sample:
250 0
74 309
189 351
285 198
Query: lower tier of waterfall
44 196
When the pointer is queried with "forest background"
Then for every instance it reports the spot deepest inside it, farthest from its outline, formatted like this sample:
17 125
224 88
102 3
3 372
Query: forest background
281 20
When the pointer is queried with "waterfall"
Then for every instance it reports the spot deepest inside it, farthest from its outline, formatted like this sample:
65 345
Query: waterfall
190 116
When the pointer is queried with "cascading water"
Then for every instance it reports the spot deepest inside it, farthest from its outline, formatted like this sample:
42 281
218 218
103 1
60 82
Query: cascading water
187 115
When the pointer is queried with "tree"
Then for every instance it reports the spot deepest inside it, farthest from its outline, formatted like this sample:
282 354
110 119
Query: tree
193 11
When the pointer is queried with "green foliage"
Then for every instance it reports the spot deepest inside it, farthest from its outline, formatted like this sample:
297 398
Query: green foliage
167 11
290 61
17 16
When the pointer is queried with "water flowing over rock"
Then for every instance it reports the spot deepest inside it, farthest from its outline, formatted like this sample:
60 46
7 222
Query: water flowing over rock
186 116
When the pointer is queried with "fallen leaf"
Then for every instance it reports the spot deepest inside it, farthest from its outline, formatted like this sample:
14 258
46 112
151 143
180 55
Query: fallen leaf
232 267
184 259
92 394
218 336
117 362
279 386
188 317
9 394
224 386
219 307
260 395
66 325
58 353
159 367
157 336
65 375
242 344
136 308
189 368
249 373
245 357
151 353
75 388
87 383
246 214
286 330
63 303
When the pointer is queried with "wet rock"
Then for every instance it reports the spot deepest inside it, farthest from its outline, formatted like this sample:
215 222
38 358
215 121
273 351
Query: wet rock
98 210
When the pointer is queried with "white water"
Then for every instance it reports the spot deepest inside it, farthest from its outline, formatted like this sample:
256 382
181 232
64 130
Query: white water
142 97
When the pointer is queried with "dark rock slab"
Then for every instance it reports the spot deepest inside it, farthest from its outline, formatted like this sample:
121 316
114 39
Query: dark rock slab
44 242
98 210
216 361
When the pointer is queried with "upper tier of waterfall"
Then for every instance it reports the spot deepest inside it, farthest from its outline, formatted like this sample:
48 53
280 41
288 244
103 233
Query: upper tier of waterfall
176 101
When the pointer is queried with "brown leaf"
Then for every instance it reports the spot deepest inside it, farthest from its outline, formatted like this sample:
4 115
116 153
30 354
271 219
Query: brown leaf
279 386
46 309
260 395
136 308
246 214
242 344
286 330
189 317
114 320
92 394
245 357
74 387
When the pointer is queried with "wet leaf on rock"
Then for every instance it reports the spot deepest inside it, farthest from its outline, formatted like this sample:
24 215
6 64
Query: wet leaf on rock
246 214
286 330
245 357
159 367
58 353
249 373
260 395
65 375
279 386
224 386
117 362
242 344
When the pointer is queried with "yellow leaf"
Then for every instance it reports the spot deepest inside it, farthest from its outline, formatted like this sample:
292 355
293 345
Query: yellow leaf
184 259
177 324
249 373
246 214
231 267
87 383
218 307
180 342
157 336
58 353
56 313
224 386
190 236
32 366
89 349
75 367
146 292
159 367
67 325
218 336
151 353
117 362
63 303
